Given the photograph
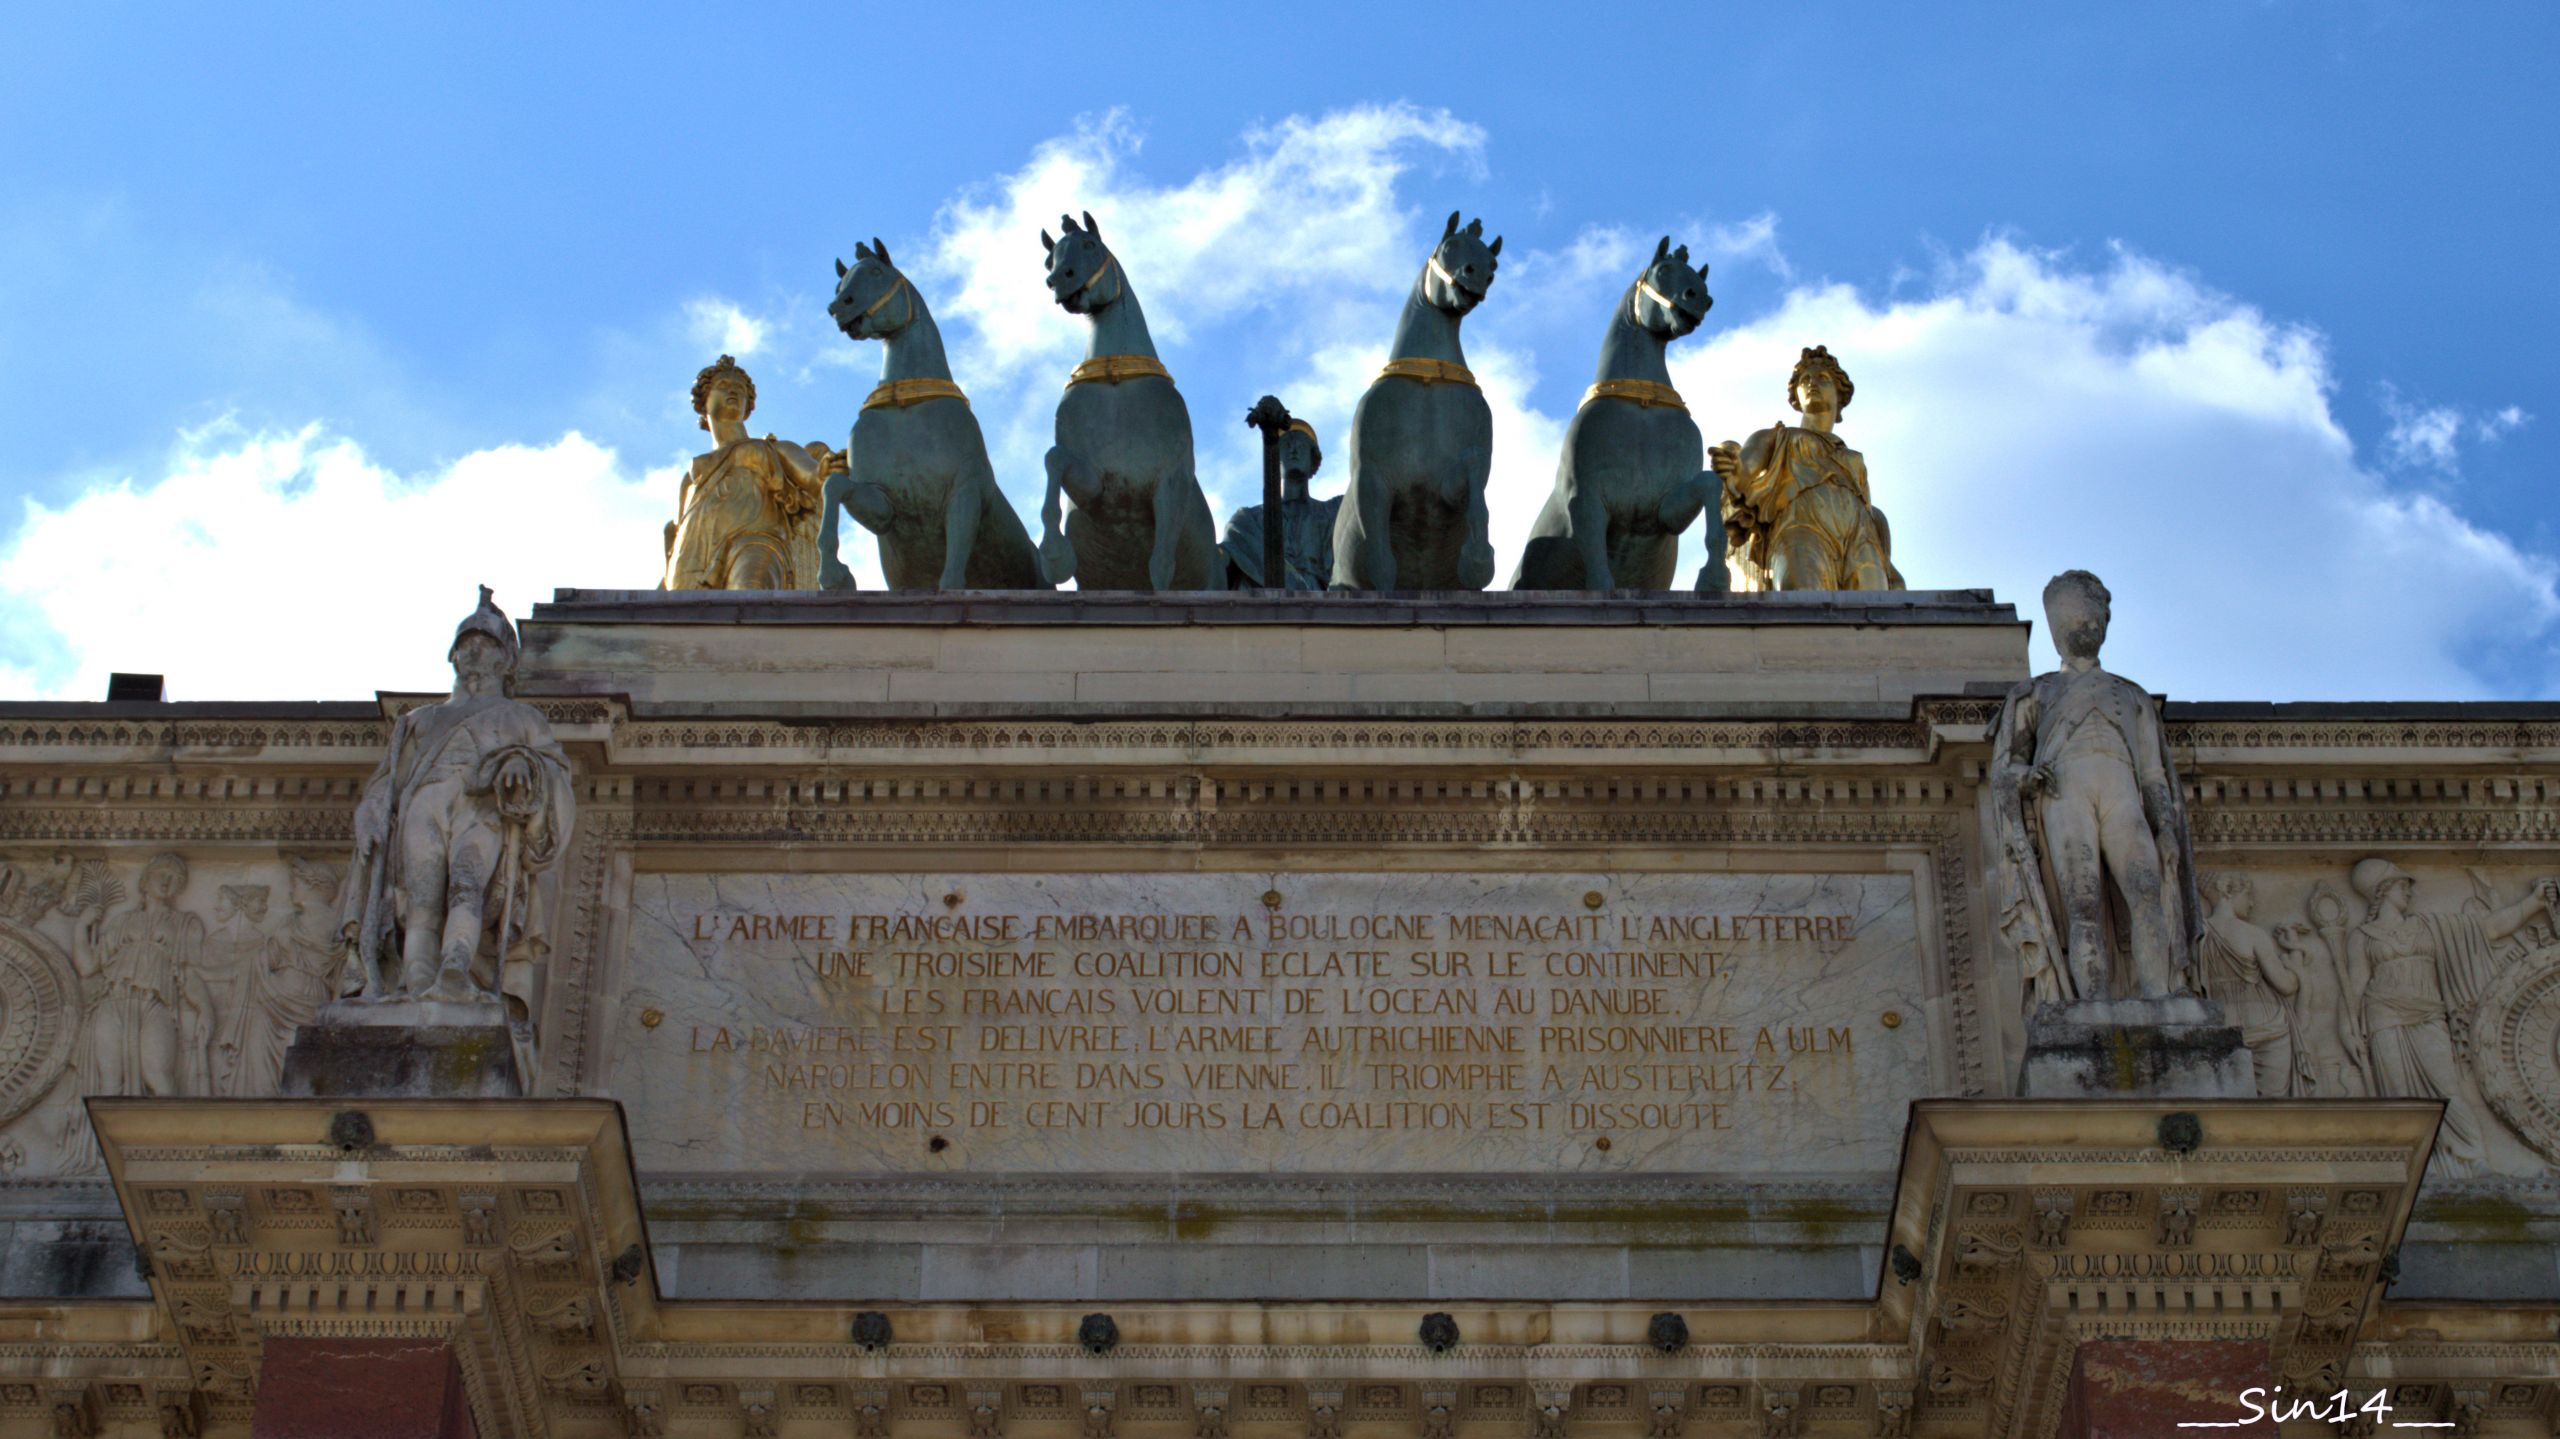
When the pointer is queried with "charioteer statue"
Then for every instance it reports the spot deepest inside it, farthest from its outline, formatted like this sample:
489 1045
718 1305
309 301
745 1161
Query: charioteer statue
1305 537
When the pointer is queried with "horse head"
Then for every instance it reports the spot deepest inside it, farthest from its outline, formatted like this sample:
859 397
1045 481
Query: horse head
1669 298
1084 277
1461 267
873 301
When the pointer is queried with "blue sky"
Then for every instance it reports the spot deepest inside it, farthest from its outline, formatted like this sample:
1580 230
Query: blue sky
318 315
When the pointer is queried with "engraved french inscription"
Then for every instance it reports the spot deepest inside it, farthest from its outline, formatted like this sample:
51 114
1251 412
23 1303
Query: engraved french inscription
1309 1022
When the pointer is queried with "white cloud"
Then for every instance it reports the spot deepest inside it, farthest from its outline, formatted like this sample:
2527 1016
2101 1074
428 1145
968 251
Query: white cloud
2430 437
290 566
2424 437
725 325
2032 416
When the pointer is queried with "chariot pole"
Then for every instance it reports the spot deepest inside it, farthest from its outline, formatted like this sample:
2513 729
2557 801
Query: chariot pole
1272 418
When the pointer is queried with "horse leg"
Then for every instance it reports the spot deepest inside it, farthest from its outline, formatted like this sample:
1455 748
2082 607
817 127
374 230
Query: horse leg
1170 513
1591 537
1681 505
1372 562
833 574
960 529
1475 554
1713 578
1203 535
1069 477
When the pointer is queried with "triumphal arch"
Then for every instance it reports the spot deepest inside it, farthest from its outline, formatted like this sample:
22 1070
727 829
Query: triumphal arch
1764 1007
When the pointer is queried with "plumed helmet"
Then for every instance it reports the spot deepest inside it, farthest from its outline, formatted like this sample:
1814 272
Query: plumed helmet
2370 875
487 620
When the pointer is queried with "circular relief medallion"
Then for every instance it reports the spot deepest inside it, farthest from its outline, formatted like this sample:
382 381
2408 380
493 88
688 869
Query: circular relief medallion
39 1015
2515 1048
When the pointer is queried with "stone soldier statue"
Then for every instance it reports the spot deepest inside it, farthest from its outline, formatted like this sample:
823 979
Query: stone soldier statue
2090 832
747 512
1797 511
469 812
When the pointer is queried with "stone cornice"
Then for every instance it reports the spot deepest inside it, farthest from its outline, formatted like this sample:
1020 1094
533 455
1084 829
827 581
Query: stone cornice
2015 1211
2209 739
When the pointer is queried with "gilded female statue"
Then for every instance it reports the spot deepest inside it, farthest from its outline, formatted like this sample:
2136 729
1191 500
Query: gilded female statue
747 512
1796 509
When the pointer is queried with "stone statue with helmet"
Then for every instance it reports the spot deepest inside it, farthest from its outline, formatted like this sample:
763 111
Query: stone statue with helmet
459 836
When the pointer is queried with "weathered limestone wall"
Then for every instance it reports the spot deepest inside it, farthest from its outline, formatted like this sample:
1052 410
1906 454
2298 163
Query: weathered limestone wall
763 762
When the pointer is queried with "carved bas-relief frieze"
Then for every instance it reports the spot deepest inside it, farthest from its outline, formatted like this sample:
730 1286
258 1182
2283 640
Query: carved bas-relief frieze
133 972
1303 1022
2438 982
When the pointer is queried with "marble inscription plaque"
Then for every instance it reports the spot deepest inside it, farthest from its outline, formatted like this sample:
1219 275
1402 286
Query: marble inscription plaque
1340 1022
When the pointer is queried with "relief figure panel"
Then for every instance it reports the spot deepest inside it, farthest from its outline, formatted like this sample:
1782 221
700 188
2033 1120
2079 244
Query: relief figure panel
135 972
2431 981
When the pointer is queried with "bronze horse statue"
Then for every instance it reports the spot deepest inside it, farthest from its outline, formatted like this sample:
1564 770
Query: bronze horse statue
919 475
1413 513
1632 476
1121 470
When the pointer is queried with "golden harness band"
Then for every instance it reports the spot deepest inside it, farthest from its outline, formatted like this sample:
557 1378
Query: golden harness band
1112 369
1652 394
1429 372
899 394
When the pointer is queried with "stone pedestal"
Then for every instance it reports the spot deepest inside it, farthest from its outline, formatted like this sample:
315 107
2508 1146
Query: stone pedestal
2170 1047
422 1048
2143 1389
361 1389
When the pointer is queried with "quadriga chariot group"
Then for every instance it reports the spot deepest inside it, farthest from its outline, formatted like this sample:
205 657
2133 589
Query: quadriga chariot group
1125 510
